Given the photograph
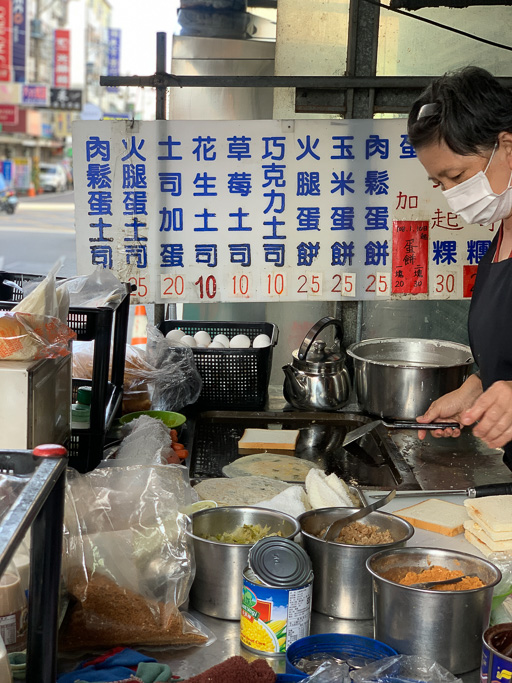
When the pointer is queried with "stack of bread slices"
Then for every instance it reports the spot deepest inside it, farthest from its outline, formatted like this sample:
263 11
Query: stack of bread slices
490 525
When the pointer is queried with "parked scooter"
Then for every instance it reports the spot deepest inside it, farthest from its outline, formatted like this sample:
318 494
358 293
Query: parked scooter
8 201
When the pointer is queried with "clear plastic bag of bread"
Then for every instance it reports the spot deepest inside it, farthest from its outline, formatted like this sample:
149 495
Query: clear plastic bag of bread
36 327
99 289
128 562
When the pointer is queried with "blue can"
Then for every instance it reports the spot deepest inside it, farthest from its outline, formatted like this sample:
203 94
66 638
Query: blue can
497 654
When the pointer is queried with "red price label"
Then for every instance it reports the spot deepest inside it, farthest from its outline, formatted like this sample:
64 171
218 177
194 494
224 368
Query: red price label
468 280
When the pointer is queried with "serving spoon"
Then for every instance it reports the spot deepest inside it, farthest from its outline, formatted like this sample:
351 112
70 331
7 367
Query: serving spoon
432 584
335 527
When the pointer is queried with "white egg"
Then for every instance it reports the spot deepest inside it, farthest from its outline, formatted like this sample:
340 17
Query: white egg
261 341
175 335
222 339
216 345
188 340
202 338
240 341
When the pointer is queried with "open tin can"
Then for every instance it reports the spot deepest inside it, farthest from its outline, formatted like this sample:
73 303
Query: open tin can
276 597
497 654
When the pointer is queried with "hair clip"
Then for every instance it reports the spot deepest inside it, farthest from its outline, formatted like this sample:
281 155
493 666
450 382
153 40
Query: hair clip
428 110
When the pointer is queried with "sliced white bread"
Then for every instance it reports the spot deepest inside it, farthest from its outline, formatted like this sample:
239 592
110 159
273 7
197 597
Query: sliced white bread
321 495
436 515
482 547
492 513
276 440
475 529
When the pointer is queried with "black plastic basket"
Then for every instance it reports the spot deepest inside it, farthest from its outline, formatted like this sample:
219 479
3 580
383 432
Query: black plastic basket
232 378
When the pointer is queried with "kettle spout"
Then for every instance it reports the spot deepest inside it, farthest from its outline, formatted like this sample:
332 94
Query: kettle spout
295 386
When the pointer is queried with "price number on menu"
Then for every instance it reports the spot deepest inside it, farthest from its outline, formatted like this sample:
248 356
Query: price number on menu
344 284
444 285
378 284
241 286
172 286
139 287
309 284
274 284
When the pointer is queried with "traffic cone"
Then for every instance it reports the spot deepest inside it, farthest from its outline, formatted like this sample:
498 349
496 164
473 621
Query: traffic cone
31 190
140 323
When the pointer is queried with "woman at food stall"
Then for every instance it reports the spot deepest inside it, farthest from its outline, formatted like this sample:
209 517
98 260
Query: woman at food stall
461 129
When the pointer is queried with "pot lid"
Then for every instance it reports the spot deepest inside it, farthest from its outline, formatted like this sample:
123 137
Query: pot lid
319 358
280 562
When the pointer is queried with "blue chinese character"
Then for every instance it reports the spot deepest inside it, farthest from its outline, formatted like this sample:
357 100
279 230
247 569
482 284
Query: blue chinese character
276 143
477 249
135 224
274 253
376 218
342 218
100 203
238 148
308 218
274 223
205 183
342 184
376 253
307 253
407 149
134 176
172 219
273 197
239 215
94 147
172 256
308 184
308 148
205 147
206 254
344 147
101 225
205 216
135 203
169 143
274 173
239 183
98 176
139 252
133 150
342 253
444 251
240 254
170 182
376 182
101 255
377 145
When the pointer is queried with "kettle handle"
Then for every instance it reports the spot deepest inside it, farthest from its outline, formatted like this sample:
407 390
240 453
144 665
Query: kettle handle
315 330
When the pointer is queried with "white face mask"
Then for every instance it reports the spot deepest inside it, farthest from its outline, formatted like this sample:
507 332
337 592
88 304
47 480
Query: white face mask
475 202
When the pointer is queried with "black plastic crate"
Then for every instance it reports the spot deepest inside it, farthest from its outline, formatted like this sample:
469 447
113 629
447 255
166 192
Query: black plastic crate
232 378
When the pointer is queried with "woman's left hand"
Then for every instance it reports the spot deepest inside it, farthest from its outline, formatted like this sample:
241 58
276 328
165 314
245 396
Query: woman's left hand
492 413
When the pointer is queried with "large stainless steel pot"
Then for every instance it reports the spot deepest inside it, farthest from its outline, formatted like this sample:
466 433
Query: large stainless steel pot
397 379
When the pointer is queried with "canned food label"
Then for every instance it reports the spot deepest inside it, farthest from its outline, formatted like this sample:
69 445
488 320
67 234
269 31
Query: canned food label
273 618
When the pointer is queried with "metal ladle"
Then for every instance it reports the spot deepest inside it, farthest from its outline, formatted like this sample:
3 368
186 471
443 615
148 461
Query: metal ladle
335 527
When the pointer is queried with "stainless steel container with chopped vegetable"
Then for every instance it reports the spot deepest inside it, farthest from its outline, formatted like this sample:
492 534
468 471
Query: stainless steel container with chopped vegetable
217 587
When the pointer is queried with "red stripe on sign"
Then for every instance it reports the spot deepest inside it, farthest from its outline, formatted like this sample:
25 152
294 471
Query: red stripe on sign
5 40
468 280
410 257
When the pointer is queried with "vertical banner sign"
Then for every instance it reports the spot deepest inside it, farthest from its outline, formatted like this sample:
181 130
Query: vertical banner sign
305 210
5 40
410 257
19 40
62 58
114 54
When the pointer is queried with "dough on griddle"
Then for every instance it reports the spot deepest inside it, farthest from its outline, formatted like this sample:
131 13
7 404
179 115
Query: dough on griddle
239 490
273 465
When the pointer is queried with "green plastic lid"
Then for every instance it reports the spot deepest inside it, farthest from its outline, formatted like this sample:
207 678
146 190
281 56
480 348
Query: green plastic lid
83 395
80 413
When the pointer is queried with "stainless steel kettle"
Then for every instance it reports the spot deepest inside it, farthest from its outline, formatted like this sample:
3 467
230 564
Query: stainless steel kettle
317 378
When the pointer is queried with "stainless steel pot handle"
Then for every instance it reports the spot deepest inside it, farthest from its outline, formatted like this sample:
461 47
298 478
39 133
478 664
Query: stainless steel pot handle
315 330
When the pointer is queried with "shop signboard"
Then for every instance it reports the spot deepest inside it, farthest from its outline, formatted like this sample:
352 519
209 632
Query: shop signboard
19 40
5 40
34 95
62 58
114 54
9 114
66 98
297 210
22 172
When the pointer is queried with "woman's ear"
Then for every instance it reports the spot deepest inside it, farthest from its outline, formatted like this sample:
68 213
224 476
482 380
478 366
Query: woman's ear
505 142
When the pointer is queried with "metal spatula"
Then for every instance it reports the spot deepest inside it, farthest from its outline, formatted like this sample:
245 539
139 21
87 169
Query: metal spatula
334 529
403 424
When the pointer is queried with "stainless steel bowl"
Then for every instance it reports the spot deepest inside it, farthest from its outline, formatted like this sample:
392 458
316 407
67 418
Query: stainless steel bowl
217 587
444 626
399 378
342 587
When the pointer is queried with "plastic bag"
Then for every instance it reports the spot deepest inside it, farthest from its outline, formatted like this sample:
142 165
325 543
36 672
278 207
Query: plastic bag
404 669
503 560
101 288
148 442
128 561
30 337
44 299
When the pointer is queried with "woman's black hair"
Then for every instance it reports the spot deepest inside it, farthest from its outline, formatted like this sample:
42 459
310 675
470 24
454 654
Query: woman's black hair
471 108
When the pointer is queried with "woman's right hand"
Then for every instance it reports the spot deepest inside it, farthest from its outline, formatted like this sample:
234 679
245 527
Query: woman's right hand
450 406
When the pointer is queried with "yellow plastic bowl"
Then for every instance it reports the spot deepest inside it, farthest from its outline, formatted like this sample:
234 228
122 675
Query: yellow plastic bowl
169 418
